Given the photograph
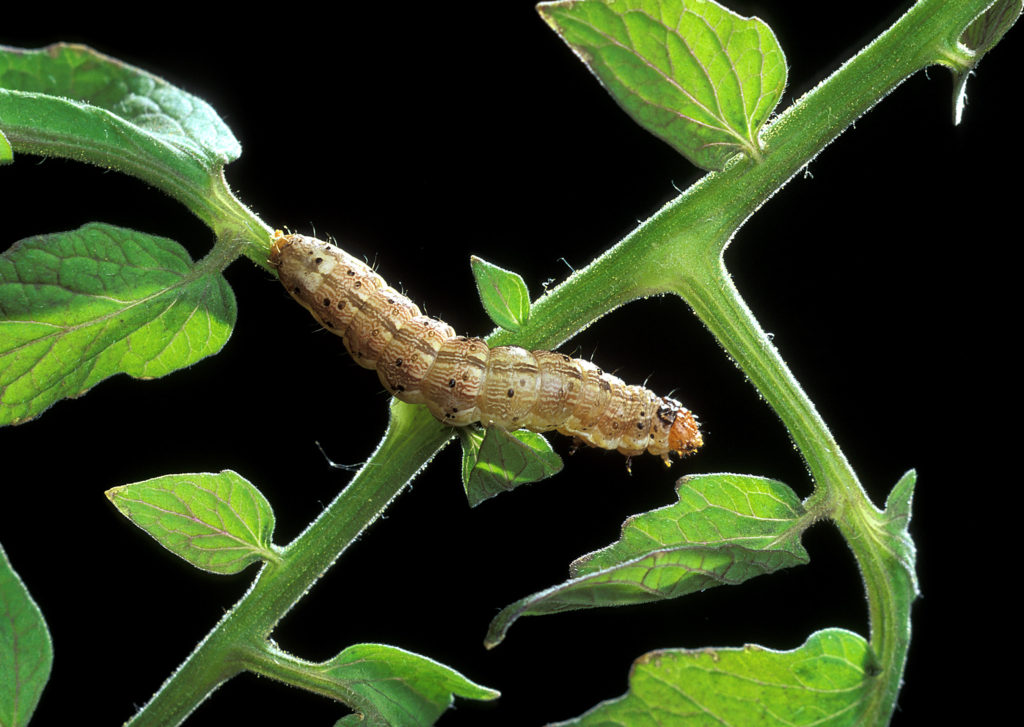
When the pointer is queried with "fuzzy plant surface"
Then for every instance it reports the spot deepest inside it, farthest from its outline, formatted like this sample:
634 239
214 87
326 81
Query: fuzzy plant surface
377 631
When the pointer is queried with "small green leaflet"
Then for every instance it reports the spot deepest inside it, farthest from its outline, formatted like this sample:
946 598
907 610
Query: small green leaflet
26 653
218 522
503 293
724 529
897 521
823 683
78 307
6 153
495 461
391 686
691 72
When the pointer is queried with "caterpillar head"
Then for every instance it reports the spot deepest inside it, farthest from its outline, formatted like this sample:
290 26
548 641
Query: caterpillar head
277 245
302 263
684 433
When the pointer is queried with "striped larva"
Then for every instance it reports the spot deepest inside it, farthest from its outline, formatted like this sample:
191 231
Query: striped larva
460 380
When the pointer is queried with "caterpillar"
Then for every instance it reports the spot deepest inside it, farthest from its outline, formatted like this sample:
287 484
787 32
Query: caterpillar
460 380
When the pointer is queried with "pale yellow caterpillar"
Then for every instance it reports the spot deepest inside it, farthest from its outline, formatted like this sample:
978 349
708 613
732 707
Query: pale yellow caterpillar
460 380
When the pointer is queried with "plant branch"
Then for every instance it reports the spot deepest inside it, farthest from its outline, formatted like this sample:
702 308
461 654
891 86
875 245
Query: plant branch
678 250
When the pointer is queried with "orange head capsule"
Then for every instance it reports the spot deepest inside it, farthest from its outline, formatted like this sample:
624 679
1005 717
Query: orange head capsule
684 437
279 243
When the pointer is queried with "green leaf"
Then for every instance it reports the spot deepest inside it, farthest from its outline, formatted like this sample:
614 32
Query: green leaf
6 153
897 521
218 522
77 307
691 72
980 37
26 653
724 529
70 101
391 686
495 461
503 293
824 683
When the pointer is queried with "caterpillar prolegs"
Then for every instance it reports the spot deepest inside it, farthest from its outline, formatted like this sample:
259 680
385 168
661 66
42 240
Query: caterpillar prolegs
460 380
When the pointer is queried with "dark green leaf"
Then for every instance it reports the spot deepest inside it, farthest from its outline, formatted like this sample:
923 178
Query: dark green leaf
70 101
495 461
724 530
823 683
77 307
218 522
391 686
147 102
695 74
503 293
26 653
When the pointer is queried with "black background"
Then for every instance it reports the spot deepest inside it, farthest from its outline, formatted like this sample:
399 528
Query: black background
418 136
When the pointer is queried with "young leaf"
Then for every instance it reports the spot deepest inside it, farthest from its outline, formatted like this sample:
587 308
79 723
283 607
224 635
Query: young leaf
724 529
77 307
6 153
495 461
26 653
824 682
218 522
693 73
897 520
503 293
391 686
68 100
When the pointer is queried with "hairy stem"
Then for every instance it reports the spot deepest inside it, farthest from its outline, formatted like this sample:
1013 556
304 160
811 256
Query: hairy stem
678 250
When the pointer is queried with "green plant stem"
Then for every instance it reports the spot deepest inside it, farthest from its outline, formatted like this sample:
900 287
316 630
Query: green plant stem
678 250
681 248
238 230
412 439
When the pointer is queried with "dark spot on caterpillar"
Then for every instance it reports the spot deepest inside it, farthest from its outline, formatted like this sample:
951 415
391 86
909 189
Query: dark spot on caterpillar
341 305
359 284
605 386
328 323
295 290
401 387
327 301
350 271
511 393
451 383
640 425
398 362
318 260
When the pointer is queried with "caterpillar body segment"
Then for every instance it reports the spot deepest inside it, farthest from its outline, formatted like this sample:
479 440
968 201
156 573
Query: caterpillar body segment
460 380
